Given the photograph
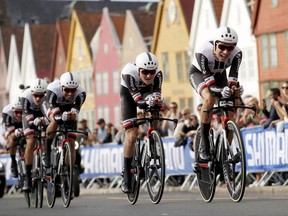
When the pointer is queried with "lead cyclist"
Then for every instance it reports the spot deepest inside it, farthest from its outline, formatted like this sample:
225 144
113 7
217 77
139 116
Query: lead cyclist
208 77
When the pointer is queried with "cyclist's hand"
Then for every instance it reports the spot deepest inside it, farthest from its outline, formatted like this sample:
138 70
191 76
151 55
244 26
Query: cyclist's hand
39 121
65 116
226 92
150 101
18 132
238 92
158 101
74 116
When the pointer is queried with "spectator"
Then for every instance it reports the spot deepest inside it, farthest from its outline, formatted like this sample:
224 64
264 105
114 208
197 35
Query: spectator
111 131
120 135
172 114
181 138
85 141
273 117
101 131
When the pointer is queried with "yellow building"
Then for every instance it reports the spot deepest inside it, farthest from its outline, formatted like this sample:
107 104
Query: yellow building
170 45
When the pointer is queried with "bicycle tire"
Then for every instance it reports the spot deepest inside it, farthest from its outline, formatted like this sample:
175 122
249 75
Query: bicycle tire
76 183
40 181
135 178
27 198
51 181
205 172
234 163
155 168
66 176
34 189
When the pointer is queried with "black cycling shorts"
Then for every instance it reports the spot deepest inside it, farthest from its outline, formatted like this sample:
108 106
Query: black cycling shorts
197 81
128 105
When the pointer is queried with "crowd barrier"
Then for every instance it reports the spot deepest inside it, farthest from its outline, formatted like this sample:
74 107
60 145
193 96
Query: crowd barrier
266 151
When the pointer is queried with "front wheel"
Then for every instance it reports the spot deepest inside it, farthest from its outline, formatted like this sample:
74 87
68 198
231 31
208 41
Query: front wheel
234 162
66 175
206 174
155 167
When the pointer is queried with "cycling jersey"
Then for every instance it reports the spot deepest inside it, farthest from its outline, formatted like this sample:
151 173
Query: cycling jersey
207 70
134 89
57 104
30 111
10 123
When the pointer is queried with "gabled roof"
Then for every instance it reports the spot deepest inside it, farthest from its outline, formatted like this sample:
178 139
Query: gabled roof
145 21
42 37
118 21
63 29
90 22
187 9
7 33
218 6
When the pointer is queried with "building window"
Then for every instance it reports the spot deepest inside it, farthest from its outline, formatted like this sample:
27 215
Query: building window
179 66
273 50
105 83
182 103
165 66
117 117
188 64
191 105
116 82
274 3
99 84
264 47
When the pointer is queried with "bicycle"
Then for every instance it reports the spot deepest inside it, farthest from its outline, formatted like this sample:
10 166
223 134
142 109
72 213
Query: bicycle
61 166
148 164
21 144
38 168
227 155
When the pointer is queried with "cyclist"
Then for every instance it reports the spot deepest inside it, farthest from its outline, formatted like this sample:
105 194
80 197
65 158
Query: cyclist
141 83
31 100
64 99
208 77
12 125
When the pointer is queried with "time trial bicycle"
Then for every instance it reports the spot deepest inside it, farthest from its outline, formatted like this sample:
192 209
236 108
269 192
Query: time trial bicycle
227 155
62 166
148 164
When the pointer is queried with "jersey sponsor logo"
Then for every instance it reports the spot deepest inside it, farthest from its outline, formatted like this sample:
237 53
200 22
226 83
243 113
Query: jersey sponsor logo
132 84
202 62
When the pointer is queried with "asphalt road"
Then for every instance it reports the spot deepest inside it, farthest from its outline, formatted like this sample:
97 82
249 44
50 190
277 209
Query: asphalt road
257 201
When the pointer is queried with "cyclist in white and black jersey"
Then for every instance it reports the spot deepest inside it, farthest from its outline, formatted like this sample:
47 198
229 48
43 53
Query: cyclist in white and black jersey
141 83
32 100
208 76
12 126
64 100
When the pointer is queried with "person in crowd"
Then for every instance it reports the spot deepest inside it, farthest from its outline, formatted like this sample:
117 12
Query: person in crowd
274 114
172 114
64 100
141 83
111 131
82 139
12 126
178 133
284 99
120 135
208 77
101 131
31 100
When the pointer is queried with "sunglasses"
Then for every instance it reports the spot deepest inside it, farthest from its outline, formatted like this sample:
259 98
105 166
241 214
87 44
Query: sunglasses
38 95
18 112
224 47
285 87
146 72
69 90
173 107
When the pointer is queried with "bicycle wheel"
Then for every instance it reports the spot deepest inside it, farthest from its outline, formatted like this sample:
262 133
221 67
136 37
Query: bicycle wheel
34 189
66 176
40 180
155 168
205 173
21 178
135 178
234 162
76 183
51 181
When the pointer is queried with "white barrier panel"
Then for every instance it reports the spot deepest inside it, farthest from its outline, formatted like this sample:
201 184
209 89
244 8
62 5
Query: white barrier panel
107 160
266 150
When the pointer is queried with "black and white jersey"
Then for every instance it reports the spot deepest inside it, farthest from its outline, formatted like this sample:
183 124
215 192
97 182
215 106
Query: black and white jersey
56 99
208 65
9 123
130 79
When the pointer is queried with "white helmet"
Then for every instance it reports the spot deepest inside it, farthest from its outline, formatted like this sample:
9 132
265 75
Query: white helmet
226 34
16 104
39 86
69 80
146 61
